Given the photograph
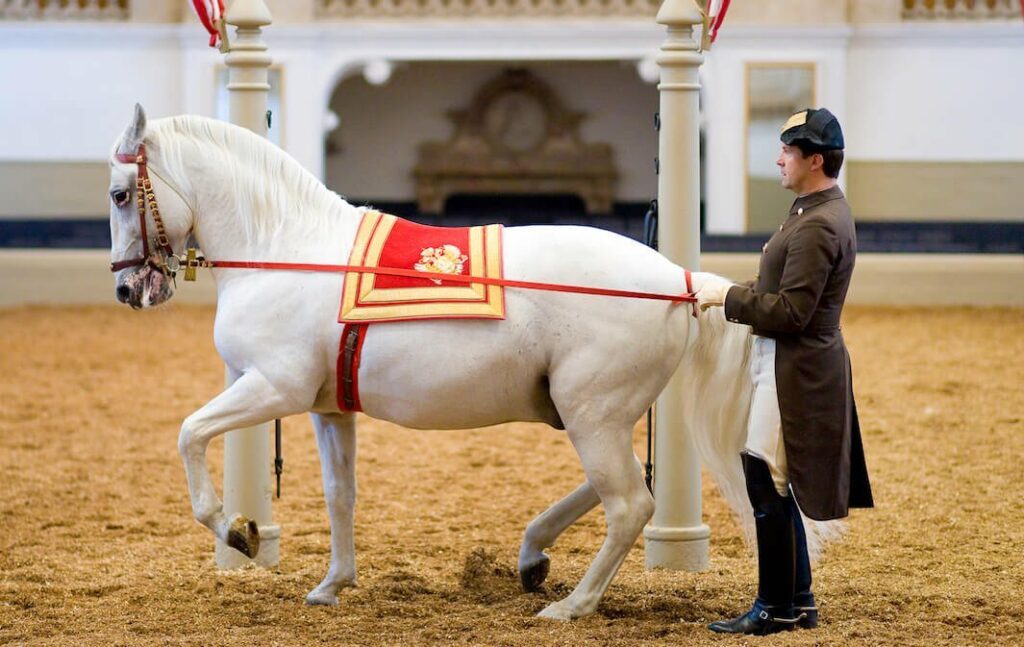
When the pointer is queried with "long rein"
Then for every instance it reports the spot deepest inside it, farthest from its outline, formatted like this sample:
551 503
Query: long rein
164 259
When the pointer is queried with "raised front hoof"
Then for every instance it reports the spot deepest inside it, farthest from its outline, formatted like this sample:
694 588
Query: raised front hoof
533 576
244 536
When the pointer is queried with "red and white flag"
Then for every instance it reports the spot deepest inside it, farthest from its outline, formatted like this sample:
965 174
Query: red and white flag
210 13
716 13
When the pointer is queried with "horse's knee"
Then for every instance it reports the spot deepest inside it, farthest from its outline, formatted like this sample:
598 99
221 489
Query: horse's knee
627 516
645 507
186 438
644 510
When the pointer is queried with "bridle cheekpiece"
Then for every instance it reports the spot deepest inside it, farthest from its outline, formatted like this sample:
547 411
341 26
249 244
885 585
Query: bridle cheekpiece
163 257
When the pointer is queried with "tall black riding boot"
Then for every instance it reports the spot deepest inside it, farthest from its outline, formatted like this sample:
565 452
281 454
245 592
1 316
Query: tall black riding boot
803 598
773 608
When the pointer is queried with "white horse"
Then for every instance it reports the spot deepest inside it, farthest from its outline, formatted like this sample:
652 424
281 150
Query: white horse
588 364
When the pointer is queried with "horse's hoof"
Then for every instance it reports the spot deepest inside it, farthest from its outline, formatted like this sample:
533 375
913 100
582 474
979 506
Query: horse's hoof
321 599
244 536
533 576
557 611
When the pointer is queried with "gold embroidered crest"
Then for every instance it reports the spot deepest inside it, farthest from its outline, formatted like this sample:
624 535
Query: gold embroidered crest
446 259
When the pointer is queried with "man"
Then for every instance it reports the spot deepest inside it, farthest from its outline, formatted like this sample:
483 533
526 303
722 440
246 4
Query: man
803 440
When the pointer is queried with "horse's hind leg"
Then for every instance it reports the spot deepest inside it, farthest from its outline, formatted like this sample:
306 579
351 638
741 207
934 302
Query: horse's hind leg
616 476
546 528
249 401
336 440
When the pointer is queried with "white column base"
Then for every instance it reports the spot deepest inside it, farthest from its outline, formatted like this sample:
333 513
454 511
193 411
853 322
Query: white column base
677 549
270 551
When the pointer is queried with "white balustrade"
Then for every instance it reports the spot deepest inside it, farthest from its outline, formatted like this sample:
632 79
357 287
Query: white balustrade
485 8
64 10
961 9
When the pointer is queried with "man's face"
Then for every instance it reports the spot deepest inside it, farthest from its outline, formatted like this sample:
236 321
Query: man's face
795 168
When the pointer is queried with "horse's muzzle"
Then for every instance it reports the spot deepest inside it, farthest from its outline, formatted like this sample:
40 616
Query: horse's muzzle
144 288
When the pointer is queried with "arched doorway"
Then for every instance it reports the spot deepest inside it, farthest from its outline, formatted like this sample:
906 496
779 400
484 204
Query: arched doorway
373 153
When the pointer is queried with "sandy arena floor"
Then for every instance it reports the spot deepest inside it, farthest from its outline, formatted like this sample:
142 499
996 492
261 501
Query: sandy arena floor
98 545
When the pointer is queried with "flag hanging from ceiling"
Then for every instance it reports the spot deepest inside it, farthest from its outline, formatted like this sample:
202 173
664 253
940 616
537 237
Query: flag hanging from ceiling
716 11
210 13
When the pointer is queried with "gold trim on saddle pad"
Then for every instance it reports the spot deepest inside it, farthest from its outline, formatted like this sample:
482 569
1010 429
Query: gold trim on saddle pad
364 300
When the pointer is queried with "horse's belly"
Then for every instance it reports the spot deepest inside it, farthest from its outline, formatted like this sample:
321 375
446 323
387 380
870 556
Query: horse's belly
453 374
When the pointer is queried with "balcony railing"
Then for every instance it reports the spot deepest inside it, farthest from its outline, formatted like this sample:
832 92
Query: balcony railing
485 8
64 10
961 9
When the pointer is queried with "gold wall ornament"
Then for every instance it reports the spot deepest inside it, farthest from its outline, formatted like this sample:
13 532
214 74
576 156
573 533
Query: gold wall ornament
515 137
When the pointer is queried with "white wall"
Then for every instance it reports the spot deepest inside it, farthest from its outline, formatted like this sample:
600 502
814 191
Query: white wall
926 92
937 92
903 92
67 91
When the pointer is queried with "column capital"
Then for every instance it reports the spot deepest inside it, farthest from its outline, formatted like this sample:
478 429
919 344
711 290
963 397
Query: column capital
248 14
679 13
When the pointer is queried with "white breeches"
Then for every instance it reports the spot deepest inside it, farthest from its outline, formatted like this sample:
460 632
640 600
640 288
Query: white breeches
764 427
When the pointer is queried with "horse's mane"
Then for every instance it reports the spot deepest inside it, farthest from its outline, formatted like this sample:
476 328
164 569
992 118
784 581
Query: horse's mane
272 187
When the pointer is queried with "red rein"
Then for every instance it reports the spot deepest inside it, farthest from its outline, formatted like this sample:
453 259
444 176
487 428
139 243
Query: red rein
144 195
457 278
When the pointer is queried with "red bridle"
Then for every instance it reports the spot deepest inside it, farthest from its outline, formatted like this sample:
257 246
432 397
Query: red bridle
163 259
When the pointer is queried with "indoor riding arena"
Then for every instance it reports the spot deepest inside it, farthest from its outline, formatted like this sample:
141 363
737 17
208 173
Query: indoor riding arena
389 106
100 548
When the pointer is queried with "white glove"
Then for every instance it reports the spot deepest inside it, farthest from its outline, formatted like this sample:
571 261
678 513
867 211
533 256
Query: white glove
712 292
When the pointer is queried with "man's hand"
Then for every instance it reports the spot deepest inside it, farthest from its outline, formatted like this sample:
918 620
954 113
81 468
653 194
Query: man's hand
712 292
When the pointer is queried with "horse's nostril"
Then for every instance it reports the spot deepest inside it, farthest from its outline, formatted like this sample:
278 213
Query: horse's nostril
122 293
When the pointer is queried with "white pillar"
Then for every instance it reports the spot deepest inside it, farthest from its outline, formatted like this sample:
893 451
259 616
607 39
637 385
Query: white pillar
247 465
677 538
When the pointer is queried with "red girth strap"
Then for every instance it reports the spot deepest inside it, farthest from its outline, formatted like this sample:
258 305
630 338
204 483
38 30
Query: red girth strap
352 338
454 278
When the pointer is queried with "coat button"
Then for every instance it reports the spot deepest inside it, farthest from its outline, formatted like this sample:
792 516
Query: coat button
800 211
764 248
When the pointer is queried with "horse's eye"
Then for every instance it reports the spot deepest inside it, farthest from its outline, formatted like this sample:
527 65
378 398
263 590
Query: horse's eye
120 198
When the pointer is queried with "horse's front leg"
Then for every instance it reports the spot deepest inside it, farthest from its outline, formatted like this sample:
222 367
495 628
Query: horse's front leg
249 401
336 440
546 528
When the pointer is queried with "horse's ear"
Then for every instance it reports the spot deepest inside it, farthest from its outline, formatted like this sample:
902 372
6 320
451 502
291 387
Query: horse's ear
135 132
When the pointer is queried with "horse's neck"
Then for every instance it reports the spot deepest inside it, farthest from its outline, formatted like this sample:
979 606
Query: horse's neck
223 232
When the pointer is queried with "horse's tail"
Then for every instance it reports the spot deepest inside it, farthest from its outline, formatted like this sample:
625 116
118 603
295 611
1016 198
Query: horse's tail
717 394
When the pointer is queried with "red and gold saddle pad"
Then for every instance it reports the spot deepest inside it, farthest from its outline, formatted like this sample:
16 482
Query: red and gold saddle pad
388 241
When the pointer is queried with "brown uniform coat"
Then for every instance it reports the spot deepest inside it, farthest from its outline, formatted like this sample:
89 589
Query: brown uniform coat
797 299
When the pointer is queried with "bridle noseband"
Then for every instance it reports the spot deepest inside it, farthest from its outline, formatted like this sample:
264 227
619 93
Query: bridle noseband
162 258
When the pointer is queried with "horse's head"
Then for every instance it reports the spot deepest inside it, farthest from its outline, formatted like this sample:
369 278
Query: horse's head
143 235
